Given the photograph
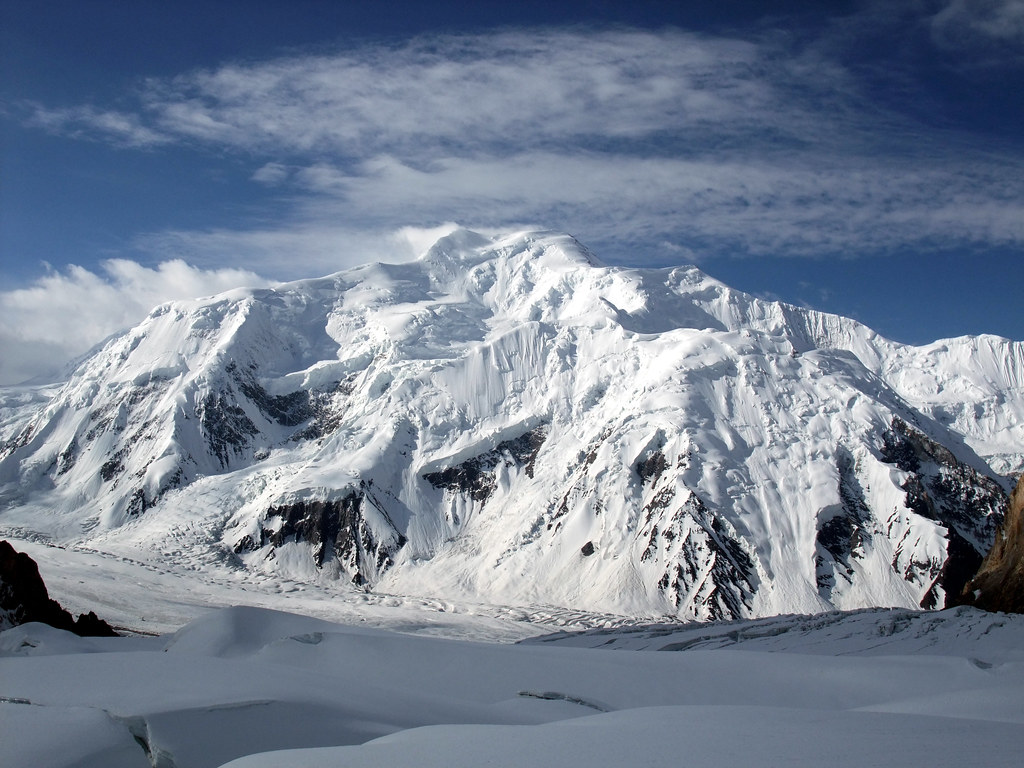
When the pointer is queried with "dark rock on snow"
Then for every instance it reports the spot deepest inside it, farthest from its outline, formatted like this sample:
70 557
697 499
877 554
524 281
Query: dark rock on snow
999 583
24 598
969 505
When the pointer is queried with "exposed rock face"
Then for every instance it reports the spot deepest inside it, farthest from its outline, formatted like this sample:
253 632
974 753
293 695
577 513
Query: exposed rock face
354 531
999 583
843 531
699 555
970 506
24 598
476 476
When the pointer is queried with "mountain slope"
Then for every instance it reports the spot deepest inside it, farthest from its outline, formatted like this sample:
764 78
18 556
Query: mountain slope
509 418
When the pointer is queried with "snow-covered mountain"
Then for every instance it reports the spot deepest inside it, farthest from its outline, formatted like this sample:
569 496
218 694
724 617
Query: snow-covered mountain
510 420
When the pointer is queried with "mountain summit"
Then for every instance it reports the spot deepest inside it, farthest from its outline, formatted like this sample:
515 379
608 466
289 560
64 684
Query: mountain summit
509 419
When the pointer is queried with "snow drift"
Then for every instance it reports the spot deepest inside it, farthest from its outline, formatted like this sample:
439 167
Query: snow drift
872 688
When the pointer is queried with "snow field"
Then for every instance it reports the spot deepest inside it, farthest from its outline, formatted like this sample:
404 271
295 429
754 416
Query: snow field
239 684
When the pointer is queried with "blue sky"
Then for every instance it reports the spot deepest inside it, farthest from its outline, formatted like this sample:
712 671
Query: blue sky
865 158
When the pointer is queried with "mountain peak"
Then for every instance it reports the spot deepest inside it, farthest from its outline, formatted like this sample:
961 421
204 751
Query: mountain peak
550 246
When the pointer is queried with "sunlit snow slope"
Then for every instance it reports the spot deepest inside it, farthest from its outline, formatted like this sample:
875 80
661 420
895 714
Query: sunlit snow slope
508 419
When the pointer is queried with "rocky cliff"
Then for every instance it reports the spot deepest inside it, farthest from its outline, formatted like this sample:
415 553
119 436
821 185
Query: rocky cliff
24 598
999 583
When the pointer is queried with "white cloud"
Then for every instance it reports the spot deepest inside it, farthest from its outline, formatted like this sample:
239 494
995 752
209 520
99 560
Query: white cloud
271 174
970 23
800 207
122 128
64 314
419 239
512 87
295 249
488 92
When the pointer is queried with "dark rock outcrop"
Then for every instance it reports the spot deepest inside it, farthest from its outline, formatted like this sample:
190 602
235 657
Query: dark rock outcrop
703 561
24 598
999 583
355 530
939 487
843 530
475 477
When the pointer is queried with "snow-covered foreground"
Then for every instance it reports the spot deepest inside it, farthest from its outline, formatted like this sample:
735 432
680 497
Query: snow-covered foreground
879 687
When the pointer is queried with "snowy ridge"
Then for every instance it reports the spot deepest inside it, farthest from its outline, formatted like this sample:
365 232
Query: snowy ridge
508 419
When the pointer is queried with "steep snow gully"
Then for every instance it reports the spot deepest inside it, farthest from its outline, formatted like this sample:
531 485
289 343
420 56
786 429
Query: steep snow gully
508 420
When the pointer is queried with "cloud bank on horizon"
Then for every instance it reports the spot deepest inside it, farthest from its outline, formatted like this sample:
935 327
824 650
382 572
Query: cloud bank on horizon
677 145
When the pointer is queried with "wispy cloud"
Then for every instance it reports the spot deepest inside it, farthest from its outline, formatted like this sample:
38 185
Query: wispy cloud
701 207
484 91
34 330
295 250
648 145
121 128
714 144
967 23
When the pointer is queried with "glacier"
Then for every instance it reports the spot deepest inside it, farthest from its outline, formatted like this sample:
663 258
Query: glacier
509 420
